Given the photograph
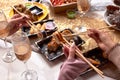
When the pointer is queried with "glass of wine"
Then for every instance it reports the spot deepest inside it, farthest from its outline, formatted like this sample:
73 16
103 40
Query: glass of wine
83 6
22 49
4 32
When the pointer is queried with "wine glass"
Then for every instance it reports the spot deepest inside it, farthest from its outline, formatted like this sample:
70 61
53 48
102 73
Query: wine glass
100 5
22 49
4 32
83 6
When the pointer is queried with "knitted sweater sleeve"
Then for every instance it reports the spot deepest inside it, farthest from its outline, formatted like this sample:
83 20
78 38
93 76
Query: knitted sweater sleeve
71 69
114 55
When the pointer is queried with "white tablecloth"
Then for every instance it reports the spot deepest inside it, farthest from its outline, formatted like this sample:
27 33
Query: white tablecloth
46 70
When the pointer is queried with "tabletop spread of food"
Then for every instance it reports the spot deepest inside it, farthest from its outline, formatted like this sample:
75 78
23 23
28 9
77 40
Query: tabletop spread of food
42 26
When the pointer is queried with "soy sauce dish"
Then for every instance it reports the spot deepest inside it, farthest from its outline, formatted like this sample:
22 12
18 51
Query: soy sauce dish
71 14
36 10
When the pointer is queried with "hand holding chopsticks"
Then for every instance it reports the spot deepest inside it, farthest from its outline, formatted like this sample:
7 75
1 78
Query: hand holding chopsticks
60 39
30 23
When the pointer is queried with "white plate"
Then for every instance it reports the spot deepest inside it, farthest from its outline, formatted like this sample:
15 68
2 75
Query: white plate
107 21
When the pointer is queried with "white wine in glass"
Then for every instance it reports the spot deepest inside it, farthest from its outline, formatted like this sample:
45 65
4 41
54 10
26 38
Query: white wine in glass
83 6
4 32
22 49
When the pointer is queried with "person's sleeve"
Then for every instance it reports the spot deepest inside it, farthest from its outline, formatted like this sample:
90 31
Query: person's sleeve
114 55
71 69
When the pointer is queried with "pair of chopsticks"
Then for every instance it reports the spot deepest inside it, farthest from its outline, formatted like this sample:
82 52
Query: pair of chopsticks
30 23
106 27
78 53
84 33
59 38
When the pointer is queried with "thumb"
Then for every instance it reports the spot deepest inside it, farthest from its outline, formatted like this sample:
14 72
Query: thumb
94 34
71 51
66 51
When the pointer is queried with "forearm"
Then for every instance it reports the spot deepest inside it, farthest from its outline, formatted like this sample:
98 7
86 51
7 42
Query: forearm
72 69
114 55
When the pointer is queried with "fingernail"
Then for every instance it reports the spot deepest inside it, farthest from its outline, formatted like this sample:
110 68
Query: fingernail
63 45
24 17
73 45
71 41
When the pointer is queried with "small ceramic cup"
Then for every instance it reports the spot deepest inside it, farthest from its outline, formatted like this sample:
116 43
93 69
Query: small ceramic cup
71 14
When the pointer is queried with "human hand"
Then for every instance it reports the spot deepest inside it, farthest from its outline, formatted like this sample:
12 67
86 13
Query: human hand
102 39
69 51
73 66
16 22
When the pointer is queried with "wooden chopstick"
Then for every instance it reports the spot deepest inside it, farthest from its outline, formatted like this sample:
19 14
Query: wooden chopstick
84 33
17 10
31 25
78 53
103 28
80 33
106 27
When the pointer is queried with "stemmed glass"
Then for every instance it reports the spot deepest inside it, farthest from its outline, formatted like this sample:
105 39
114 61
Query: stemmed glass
83 6
4 32
22 49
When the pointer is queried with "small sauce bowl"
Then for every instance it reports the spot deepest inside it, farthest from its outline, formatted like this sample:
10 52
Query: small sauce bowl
71 14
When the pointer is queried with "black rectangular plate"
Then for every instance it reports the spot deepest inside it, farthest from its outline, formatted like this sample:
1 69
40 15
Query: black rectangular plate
27 29
42 45
96 54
